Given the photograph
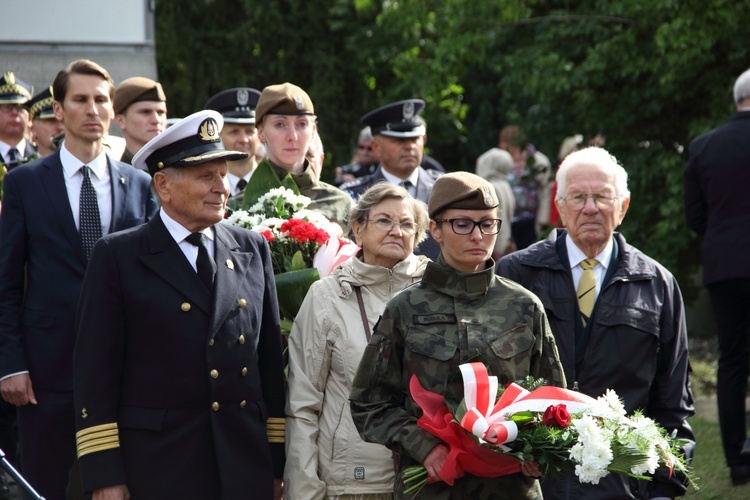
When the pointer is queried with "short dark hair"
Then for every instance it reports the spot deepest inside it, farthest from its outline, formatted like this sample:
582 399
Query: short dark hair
79 67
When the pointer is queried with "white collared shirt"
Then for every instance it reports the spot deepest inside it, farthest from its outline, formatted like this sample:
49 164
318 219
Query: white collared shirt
100 178
576 255
180 232
413 178
5 149
233 180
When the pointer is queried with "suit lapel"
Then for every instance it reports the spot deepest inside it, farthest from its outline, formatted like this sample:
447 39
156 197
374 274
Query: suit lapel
167 261
118 185
53 180
232 265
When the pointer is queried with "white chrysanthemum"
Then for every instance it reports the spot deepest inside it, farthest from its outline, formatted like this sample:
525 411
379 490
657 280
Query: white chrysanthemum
242 218
608 406
268 204
586 428
590 473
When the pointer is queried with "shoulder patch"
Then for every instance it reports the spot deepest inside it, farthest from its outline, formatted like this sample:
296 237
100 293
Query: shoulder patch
433 319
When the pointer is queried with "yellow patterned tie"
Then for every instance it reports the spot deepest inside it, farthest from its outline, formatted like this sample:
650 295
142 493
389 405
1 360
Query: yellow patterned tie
587 289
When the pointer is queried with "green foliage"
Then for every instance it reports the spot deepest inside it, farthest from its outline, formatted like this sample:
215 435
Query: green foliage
651 74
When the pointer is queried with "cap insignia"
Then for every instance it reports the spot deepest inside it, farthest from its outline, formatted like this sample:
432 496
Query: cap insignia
10 78
487 196
408 110
209 130
243 96
299 102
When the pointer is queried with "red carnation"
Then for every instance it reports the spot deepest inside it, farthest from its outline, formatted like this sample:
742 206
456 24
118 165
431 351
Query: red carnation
556 416
268 235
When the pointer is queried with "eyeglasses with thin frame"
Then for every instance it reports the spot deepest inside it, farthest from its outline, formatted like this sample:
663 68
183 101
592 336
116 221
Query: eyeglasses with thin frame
407 227
9 107
577 202
463 227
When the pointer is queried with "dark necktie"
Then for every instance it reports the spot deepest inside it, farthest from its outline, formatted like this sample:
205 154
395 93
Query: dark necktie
406 185
12 158
205 264
241 185
90 227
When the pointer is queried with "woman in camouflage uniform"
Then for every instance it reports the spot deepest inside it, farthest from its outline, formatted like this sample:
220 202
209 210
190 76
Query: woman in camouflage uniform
460 311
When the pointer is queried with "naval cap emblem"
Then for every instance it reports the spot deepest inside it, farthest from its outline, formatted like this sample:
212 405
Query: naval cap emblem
209 130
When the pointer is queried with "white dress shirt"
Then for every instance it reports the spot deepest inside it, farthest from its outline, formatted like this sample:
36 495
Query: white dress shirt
413 178
100 178
5 149
576 255
179 233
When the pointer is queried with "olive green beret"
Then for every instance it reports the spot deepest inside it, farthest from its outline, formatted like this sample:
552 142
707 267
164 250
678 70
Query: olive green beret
283 99
461 190
137 89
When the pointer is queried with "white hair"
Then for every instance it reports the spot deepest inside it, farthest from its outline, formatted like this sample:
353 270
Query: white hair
742 87
592 156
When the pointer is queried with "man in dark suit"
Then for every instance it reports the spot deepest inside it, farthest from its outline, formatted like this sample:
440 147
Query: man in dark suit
717 207
53 211
178 372
398 140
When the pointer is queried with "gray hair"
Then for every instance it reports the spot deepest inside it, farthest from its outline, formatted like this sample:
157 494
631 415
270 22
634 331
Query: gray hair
592 156
742 87
386 191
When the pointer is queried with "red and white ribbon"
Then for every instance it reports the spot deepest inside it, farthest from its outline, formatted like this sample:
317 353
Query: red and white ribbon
489 422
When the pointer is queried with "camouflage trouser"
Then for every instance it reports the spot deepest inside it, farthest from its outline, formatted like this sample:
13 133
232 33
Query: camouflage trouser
511 487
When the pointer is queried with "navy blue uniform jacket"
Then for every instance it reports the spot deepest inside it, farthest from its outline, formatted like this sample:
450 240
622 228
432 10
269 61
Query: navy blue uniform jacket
174 385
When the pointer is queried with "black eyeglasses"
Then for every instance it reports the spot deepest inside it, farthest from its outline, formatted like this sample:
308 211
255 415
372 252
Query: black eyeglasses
466 226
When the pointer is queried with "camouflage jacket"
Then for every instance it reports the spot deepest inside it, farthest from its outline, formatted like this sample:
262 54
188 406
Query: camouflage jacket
326 199
428 330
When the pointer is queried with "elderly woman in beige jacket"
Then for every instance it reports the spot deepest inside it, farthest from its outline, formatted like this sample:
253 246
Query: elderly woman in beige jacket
325 457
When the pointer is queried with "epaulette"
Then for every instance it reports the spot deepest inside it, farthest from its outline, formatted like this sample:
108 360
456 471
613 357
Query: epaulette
355 183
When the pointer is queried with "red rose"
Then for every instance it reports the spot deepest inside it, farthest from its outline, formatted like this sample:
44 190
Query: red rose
556 416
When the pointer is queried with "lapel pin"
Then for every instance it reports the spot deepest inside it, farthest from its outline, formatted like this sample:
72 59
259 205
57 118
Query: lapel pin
122 180
230 265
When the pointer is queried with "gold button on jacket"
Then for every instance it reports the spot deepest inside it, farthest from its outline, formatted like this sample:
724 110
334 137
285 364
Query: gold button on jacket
185 306
214 374
215 406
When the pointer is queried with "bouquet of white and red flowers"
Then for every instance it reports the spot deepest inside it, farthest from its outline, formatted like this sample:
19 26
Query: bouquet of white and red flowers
558 429
304 244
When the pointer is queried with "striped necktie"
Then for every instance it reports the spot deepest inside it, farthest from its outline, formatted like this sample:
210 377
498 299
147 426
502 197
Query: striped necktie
587 290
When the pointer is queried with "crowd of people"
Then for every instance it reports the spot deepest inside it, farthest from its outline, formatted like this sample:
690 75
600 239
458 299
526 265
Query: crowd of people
141 352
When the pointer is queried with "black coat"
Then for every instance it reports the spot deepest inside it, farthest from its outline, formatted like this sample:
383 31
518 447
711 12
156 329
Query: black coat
717 199
637 346
173 386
